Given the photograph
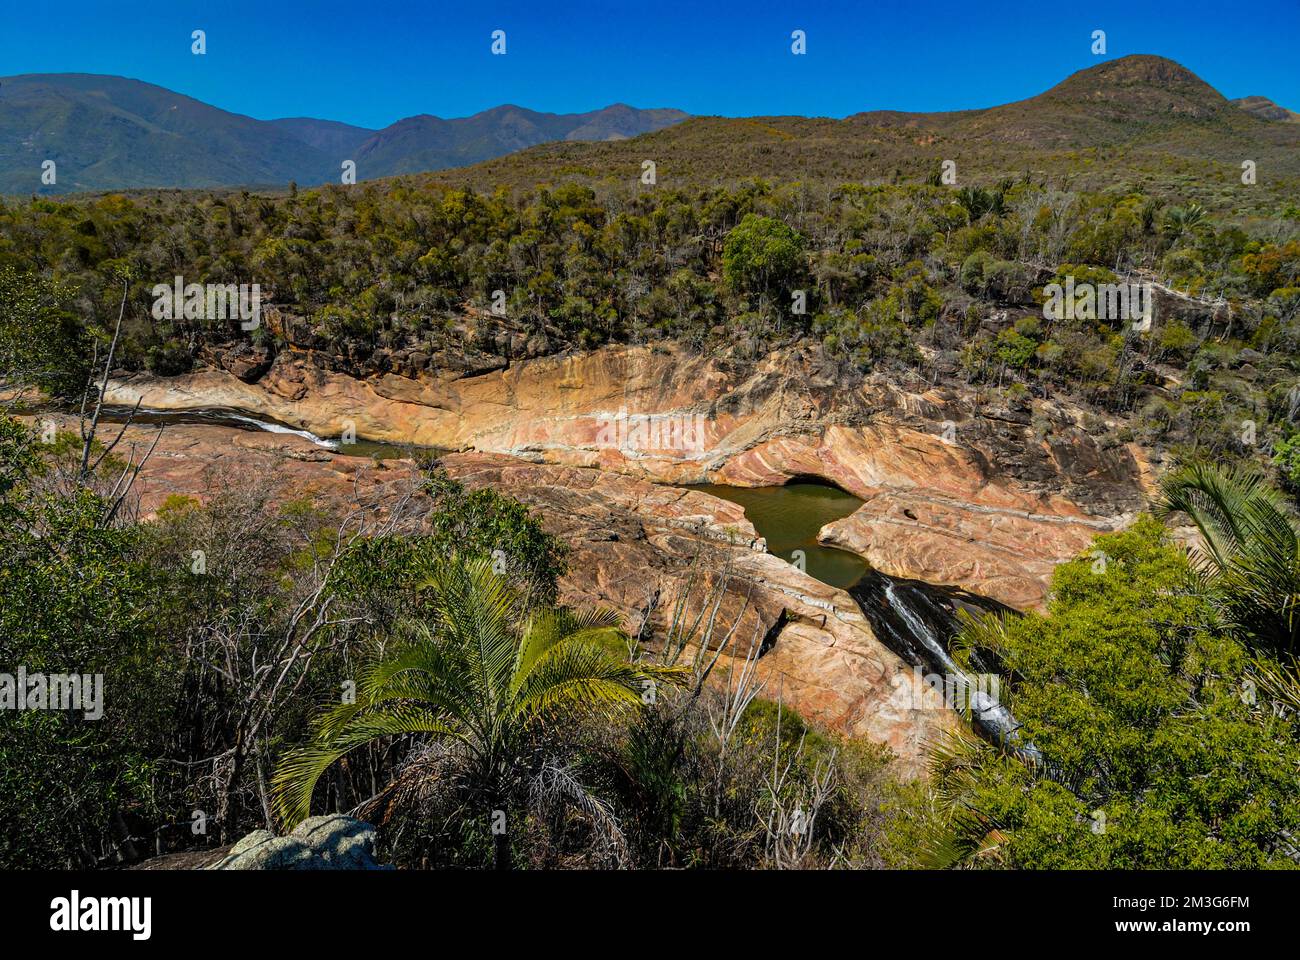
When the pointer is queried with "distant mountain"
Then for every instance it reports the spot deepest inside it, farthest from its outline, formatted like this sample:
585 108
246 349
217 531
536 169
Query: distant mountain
329 136
106 133
431 143
109 132
1266 109
1114 103
1139 121
1130 121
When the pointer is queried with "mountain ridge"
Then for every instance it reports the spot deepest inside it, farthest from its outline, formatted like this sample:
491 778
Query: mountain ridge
1143 105
1266 109
1125 123
105 133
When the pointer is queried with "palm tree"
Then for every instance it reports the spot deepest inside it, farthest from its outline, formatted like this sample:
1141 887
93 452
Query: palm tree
476 682
1248 554
959 835
1180 222
975 201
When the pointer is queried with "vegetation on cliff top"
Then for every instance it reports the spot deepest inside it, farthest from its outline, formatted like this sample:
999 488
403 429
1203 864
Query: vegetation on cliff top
1161 741
929 281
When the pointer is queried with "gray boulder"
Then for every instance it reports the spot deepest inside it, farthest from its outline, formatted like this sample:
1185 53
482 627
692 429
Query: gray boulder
333 842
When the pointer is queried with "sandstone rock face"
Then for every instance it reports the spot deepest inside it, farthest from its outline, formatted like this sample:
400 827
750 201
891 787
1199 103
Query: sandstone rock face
638 547
333 842
194 459
985 499
932 510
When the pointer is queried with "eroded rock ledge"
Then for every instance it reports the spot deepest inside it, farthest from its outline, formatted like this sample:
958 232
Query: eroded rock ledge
987 499
639 546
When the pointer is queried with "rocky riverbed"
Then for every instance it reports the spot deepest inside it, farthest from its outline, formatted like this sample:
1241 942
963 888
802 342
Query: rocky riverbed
637 547
601 445
956 491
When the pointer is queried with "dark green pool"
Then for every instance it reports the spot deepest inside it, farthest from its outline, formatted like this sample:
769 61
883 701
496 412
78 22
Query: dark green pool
789 518
380 450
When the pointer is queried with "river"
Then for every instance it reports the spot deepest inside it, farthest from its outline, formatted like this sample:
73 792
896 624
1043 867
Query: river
221 416
789 518
916 620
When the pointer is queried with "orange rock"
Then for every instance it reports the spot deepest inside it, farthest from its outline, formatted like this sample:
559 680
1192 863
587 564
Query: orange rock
991 509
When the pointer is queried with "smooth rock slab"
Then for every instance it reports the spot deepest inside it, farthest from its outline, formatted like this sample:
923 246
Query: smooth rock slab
1004 501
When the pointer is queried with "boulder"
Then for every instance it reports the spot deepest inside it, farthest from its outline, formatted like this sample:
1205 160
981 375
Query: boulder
333 842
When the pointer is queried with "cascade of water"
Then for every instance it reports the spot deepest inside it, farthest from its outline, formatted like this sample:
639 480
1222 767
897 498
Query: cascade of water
914 619
221 416
271 427
920 630
995 719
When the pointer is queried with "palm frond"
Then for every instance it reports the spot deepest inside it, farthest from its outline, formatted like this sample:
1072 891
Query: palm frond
1279 682
986 630
1217 500
296 775
477 675
475 609
557 786
548 627
1250 552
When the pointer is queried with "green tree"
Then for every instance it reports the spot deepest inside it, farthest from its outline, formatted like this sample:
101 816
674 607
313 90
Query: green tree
1181 223
1150 750
478 678
1286 457
762 255
472 523
977 201
18 459
41 343
75 598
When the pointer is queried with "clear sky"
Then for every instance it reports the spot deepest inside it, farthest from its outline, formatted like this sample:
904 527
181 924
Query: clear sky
371 62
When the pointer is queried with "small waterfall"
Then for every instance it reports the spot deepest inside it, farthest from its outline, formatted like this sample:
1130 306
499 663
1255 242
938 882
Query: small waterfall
914 619
216 416
271 427
920 630
918 621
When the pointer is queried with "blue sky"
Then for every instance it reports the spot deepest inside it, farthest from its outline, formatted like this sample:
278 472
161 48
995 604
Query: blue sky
371 62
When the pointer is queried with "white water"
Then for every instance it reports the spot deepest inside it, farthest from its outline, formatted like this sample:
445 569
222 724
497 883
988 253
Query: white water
281 428
919 629
994 717
217 416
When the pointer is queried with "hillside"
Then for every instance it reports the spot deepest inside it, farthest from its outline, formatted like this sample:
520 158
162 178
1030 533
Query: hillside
1135 123
109 133
1266 109
431 143
328 135
1138 122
